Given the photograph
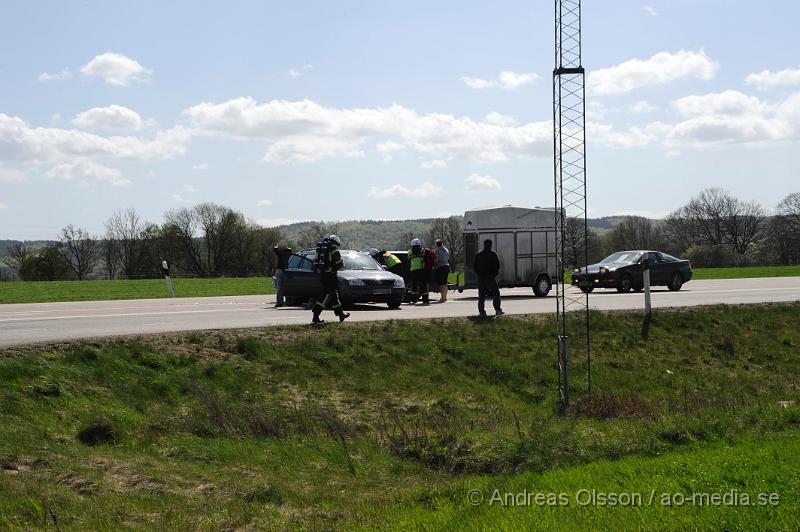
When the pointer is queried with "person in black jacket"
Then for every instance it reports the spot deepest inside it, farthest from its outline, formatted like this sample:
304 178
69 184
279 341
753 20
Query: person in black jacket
487 266
282 255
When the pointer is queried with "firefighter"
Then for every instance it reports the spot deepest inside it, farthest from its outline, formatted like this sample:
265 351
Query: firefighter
329 264
418 272
392 263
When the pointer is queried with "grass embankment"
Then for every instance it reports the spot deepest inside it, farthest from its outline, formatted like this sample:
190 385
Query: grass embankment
392 423
103 290
746 272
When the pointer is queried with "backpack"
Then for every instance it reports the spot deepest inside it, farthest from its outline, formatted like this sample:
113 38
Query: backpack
322 258
430 258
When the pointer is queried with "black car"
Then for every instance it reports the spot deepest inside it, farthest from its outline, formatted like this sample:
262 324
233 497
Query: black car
362 280
623 270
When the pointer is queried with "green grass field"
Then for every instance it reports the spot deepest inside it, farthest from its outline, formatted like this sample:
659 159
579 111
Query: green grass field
746 272
391 424
102 290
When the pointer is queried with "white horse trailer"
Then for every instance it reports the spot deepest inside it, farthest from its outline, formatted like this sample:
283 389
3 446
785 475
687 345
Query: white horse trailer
524 240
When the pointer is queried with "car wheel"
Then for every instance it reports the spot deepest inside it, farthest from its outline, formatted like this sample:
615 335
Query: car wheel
675 282
587 289
395 302
625 284
542 286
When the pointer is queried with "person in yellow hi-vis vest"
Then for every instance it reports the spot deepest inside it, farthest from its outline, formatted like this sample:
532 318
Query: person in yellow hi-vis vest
329 264
418 272
392 263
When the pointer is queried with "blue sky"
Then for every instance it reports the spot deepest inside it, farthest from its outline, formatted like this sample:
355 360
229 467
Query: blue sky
338 110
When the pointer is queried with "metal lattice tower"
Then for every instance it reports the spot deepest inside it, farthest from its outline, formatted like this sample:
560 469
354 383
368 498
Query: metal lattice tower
569 150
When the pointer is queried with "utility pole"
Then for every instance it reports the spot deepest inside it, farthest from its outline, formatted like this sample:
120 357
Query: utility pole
569 164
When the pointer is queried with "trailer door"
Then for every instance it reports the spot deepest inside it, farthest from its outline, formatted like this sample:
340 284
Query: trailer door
470 249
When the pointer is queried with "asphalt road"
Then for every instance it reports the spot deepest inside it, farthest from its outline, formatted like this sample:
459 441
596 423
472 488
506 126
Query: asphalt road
43 322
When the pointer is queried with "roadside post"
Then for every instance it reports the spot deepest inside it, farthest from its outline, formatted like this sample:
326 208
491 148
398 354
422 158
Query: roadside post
165 271
648 311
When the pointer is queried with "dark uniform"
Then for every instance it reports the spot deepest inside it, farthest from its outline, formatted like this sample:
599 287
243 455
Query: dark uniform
330 264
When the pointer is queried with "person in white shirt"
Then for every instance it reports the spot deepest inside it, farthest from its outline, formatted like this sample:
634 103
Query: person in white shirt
442 269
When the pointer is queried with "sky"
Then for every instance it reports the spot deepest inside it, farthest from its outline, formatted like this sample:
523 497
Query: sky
334 110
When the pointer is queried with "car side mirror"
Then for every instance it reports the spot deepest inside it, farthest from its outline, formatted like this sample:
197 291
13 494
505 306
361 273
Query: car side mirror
383 266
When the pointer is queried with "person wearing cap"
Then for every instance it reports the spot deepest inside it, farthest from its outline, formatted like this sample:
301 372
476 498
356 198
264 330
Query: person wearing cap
487 266
282 255
418 272
329 264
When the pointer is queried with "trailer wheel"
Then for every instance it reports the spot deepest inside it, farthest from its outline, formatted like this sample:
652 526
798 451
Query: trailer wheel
542 286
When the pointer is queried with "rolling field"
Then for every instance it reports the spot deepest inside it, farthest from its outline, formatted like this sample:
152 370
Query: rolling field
394 423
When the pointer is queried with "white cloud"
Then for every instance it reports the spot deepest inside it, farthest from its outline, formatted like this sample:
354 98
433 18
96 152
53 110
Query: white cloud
181 199
116 69
304 131
201 167
112 118
643 106
11 176
386 148
712 121
191 189
476 183
505 79
661 68
497 119
81 168
296 73
22 142
766 79
65 73
729 103
436 163
426 190
264 203
513 80
3 206
477 83
650 10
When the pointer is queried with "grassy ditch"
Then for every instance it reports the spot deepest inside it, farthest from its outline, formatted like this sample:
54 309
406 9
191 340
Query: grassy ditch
392 423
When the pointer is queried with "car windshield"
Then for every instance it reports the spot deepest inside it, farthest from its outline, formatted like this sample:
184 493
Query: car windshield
624 257
355 261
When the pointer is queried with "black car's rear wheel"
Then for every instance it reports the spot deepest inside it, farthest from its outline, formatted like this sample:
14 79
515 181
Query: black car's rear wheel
675 282
587 289
625 284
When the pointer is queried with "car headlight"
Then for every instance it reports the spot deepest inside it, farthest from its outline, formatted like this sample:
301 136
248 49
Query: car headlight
576 270
399 283
356 282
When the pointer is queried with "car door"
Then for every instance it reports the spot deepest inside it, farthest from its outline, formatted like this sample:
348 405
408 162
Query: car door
659 273
297 277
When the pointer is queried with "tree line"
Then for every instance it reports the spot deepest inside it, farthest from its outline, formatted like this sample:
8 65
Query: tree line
206 240
714 229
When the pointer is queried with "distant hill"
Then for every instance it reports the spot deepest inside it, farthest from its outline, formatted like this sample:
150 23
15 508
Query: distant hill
393 234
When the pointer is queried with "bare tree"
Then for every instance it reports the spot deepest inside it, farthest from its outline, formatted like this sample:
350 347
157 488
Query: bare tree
181 228
80 249
110 252
784 230
576 241
315 232
701 220
126 228
17 254
633 232
742 224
